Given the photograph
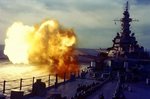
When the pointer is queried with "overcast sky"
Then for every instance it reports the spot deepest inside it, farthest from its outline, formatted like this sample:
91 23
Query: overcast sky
92 20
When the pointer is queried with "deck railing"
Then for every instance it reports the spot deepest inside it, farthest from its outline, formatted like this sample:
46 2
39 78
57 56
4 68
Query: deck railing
25 84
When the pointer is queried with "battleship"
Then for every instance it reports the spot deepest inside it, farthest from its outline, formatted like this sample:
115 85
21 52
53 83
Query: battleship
118 72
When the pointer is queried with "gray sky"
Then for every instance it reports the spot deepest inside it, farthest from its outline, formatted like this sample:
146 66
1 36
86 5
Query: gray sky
92 20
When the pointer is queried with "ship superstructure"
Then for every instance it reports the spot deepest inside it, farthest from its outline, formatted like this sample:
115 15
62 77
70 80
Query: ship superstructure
125 43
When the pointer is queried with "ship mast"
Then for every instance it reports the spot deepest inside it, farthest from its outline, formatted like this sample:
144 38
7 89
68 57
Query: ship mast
125 22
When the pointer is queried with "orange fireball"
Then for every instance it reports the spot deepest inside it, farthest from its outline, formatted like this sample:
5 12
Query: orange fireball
48 43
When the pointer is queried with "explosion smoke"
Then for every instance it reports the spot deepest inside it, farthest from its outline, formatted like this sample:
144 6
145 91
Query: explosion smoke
47 43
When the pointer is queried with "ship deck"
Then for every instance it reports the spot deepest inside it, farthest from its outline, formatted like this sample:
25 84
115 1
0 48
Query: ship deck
69 89
138 91
107 90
